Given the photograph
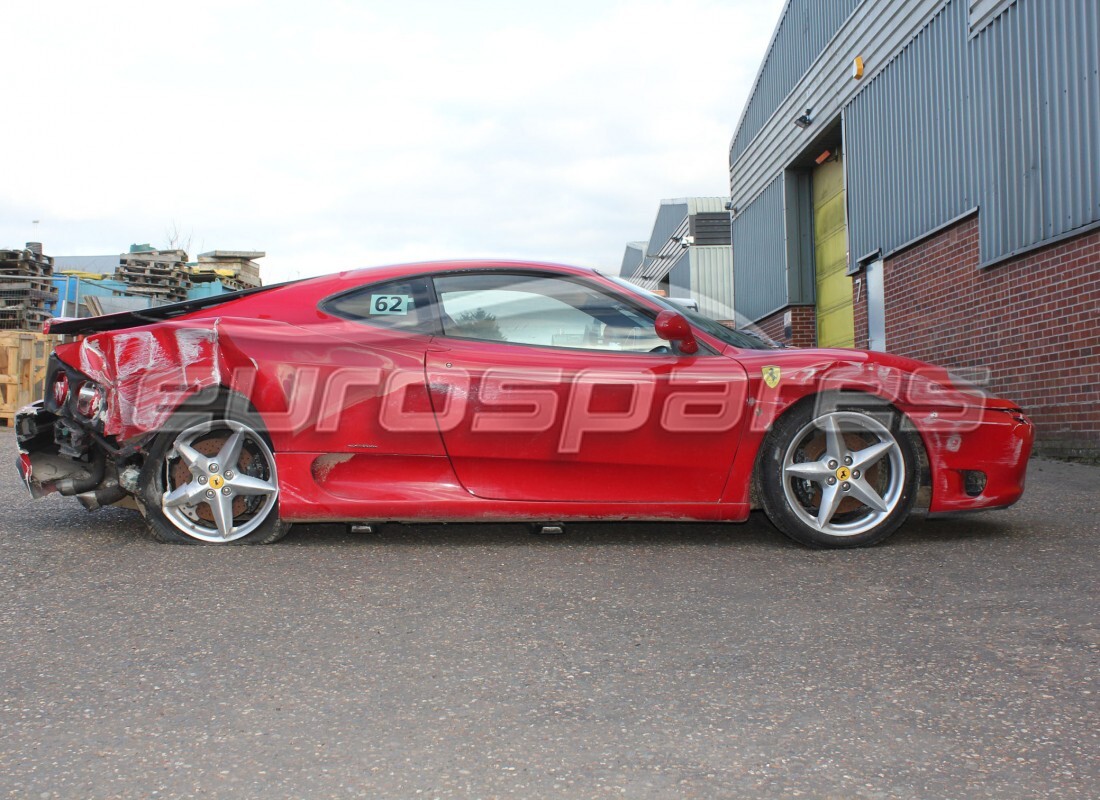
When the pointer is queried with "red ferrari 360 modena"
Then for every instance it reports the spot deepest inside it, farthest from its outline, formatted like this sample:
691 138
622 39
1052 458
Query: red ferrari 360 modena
472 391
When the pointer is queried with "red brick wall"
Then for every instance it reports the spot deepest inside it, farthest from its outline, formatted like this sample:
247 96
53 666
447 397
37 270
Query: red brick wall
1033 321
803 326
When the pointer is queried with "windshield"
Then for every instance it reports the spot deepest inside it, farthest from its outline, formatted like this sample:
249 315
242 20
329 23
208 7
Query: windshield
742 339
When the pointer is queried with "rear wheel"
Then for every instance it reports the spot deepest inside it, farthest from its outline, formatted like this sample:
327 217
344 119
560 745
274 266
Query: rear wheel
838 477
211 479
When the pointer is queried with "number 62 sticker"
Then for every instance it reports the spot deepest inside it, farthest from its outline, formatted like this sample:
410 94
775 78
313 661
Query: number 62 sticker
390 304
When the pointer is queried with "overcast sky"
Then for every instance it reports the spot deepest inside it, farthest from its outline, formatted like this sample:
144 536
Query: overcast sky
337 134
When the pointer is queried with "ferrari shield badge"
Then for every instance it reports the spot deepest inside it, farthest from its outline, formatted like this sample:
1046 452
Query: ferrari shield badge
771 376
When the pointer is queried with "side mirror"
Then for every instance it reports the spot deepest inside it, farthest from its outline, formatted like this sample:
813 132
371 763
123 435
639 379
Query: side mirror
673 327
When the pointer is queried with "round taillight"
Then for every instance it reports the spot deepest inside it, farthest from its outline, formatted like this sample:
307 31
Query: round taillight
61 389
89 400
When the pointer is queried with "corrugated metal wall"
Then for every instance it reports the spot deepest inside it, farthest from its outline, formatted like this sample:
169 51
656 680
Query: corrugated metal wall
1006 121
699 269
670 216
1038 113
877 32
804 30
712 281
679 276
760 255
633 257
908 138
982 12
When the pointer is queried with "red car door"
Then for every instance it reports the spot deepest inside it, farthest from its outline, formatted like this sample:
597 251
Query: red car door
545 388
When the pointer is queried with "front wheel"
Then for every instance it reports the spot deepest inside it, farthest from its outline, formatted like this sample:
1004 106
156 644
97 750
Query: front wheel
838 478
212 480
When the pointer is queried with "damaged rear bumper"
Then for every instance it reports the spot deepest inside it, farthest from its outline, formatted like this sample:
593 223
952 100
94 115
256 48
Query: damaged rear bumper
47 462
43 466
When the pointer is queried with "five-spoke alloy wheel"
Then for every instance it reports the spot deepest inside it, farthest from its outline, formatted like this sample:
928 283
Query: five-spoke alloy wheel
212 480
838 477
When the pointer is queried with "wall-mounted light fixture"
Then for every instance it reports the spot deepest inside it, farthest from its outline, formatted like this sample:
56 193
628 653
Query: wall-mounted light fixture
805 120
857 68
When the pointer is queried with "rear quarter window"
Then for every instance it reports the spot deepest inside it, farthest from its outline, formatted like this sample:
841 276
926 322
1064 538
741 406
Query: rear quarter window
403 305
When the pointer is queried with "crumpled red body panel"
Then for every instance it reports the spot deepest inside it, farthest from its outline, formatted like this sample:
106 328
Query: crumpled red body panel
148 372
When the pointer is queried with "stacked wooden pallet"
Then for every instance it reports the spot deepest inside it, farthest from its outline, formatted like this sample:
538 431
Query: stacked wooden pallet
236 269
23 360
27 292
160 274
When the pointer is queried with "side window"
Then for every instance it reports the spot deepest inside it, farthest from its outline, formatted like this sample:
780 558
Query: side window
542 310
402 305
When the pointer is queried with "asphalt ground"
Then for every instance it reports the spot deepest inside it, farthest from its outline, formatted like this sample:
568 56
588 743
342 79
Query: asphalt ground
959 660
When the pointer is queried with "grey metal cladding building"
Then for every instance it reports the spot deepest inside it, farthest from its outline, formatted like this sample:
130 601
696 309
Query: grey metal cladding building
687 255
905 165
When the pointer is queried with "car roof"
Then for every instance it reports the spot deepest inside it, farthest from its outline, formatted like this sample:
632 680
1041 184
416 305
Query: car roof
329 283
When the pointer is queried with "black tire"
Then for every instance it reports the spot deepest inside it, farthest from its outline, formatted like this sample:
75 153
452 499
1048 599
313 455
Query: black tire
816 487
247 513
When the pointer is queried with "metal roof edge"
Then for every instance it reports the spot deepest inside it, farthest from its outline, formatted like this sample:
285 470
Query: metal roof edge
760 70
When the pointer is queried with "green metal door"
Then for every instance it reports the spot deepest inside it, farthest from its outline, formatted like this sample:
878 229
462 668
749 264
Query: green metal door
835 325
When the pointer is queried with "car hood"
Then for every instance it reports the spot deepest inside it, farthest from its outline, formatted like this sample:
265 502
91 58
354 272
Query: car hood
904 381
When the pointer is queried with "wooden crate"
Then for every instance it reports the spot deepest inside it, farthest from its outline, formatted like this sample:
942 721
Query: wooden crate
23 359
